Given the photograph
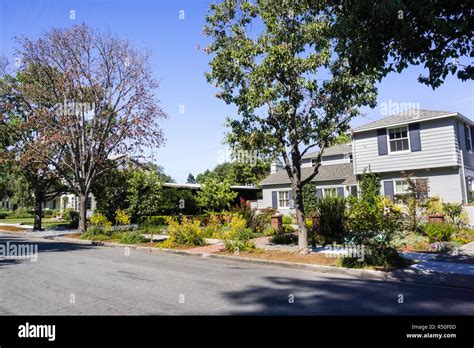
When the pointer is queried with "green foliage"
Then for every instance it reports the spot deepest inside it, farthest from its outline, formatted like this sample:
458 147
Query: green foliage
159 220
332 211
415 200
237 236
215 195
188 232
21 213
369 184
374 226
100 220
3 215
257 221
287 220
284 236
95 233
121 217
131 238
380 36
434 206
72 216
238 173
379 222
147 197
439 232
310 200
453 211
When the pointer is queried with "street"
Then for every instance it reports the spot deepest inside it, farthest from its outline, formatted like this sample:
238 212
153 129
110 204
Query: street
74 279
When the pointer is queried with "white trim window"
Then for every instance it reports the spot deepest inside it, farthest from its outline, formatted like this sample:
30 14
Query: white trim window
401 187
398 139
283 199
330 192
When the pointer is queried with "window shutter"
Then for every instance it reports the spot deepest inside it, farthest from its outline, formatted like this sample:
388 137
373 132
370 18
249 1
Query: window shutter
340 191
354 191
472 137
415 141
388 189
467 143
382 141
274 200
290 198
319 193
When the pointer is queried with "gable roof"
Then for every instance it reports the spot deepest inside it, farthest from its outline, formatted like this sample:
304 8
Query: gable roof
340 171
340 149
409 116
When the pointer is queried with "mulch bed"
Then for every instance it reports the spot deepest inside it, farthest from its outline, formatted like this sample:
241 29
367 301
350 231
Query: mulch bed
13 229
288 256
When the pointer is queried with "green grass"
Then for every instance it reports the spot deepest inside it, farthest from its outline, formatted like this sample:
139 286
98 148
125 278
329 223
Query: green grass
46 222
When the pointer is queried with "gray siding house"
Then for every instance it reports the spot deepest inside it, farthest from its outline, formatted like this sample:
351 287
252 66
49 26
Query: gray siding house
433 145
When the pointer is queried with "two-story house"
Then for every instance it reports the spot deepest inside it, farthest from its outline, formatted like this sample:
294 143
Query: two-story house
433 145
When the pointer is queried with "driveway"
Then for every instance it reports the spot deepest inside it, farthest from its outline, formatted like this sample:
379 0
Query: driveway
71 279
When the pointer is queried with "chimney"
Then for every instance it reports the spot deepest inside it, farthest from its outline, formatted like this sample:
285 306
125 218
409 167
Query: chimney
276 166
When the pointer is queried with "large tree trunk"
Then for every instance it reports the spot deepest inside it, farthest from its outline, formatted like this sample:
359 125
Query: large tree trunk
300 217
38 213
83 212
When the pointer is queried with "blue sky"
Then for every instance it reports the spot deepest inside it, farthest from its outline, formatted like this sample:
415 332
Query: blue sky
194 138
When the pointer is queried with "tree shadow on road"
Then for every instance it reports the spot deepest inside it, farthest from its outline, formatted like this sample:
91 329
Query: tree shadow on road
348 296
42 247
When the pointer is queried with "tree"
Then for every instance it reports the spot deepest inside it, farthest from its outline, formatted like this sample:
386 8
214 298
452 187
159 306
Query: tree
238 173
390 35
96 100
22 139
191 179
215 194
274 61
370 185
414 198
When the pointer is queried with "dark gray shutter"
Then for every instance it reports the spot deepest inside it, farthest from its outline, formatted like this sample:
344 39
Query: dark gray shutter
354 191
472 137
467 142
290 198
340 191
274 200
319 193
388 189
415 141
382 141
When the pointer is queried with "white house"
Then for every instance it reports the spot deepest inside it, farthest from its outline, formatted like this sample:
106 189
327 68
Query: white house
435 145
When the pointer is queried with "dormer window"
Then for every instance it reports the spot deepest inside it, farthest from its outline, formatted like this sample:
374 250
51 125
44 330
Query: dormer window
398 139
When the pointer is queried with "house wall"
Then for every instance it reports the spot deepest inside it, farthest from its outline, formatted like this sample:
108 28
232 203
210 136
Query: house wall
468 156
442 182
438 149
266 201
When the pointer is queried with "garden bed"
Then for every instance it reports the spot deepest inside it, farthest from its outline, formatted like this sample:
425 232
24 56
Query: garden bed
13 229
287 256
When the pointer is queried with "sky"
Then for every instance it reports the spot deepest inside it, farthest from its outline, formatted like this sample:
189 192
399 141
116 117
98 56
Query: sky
173 31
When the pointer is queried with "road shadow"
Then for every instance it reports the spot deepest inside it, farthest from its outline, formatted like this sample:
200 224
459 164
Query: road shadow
43 246
347 296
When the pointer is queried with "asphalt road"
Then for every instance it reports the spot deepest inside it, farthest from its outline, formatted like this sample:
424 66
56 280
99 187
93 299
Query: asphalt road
71 279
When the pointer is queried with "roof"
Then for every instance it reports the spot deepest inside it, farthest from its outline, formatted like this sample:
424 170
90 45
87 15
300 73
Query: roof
342 171
198 186
409 116
340 149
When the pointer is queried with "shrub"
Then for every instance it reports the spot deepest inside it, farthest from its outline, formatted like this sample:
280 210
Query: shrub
3 215
238 237
258 221
21 213
369 186
284 236
94 233
310 199
100 220
131 238
434 206
287 220
373 225
214 227
121 217
72 216
332 211
441 232
188 232
454 212
157 220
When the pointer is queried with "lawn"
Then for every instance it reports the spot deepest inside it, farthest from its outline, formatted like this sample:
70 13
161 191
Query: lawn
46 223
